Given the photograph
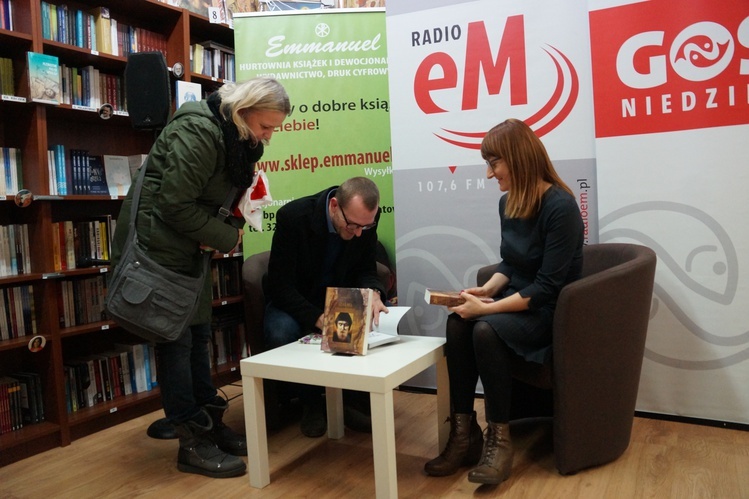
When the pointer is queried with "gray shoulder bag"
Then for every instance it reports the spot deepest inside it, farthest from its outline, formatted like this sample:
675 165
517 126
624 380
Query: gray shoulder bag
147 299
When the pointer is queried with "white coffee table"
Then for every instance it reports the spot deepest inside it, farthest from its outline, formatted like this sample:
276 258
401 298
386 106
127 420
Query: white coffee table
379 372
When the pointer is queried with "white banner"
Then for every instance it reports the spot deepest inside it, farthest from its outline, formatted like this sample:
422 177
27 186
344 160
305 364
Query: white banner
456 70
671 83
642 103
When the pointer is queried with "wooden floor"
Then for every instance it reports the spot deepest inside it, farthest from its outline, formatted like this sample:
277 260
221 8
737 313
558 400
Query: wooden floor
664 460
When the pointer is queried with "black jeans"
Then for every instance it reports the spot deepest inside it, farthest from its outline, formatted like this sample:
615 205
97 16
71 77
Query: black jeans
184 373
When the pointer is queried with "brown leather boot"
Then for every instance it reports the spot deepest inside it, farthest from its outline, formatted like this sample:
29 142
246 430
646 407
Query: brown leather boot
496 460
463 447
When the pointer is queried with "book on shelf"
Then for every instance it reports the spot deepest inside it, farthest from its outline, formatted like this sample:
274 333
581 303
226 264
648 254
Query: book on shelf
58 246
103 25
32 402
18 318
135 161
76 172
212 45
6 14
11 171
97 181
448 298
188 91
11 415
59 170
137 360
79 381
7 80
347 322
14 250
44 78
117 171
4 322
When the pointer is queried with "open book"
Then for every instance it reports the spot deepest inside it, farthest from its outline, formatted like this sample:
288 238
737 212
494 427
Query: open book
347 322
387 329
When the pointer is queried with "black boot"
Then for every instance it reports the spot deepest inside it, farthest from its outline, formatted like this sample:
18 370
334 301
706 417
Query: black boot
198 454
162 429
463 447
224 437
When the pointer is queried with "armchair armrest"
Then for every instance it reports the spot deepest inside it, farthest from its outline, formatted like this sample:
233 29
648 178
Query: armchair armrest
600 327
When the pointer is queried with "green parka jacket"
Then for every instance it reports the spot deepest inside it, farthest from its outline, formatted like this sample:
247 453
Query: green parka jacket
186 183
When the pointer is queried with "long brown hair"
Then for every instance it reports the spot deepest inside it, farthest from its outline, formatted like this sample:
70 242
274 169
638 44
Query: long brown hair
528 163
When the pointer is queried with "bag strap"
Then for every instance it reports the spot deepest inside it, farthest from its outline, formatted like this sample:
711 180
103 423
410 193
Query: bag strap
132 235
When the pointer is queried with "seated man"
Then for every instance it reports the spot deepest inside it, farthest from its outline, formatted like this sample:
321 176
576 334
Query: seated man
327 239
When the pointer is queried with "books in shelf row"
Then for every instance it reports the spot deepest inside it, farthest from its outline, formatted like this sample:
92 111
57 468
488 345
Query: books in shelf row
88 87
6 14
227 278
7 78
126 369
21 401
15 253
17 312
85 174
229 339
213 59
97 31
81 301
81 244
11 171
53 83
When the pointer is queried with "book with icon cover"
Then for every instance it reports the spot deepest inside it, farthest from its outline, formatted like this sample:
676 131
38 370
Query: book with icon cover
347 320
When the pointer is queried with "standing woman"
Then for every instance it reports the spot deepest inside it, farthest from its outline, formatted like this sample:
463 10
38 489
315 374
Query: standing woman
206 149
541 252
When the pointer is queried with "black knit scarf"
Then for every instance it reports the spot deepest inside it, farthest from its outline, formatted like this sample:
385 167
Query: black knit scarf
241 155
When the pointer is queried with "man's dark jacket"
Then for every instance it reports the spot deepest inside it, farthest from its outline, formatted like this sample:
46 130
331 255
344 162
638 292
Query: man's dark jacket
298 254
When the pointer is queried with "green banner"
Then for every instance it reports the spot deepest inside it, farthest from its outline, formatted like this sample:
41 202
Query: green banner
334 67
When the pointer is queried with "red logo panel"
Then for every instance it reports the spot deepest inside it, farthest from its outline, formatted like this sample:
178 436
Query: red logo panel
662 66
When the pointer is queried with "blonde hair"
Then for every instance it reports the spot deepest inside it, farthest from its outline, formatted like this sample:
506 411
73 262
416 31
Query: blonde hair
528 162
256 94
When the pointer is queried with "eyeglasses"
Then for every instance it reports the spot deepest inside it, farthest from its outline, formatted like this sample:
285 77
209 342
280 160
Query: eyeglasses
490 162
352 226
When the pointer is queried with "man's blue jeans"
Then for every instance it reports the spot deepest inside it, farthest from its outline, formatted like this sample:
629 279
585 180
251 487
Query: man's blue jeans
279 328
184 373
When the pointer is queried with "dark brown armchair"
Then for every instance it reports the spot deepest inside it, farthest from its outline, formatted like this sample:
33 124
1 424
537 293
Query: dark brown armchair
590 385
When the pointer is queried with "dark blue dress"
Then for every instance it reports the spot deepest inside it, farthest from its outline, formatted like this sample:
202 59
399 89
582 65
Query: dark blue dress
539 255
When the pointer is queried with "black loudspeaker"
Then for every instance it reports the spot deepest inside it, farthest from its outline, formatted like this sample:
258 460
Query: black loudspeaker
147 90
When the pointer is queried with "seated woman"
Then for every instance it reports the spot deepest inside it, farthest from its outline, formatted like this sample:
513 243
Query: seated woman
541 251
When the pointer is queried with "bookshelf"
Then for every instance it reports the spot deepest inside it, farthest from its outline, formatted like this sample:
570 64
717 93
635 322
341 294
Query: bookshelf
31 128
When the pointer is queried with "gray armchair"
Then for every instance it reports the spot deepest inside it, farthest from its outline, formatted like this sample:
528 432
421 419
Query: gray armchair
590 385
254 271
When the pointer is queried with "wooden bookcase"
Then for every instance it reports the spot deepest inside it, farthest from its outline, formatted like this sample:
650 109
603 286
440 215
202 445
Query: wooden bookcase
32 127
